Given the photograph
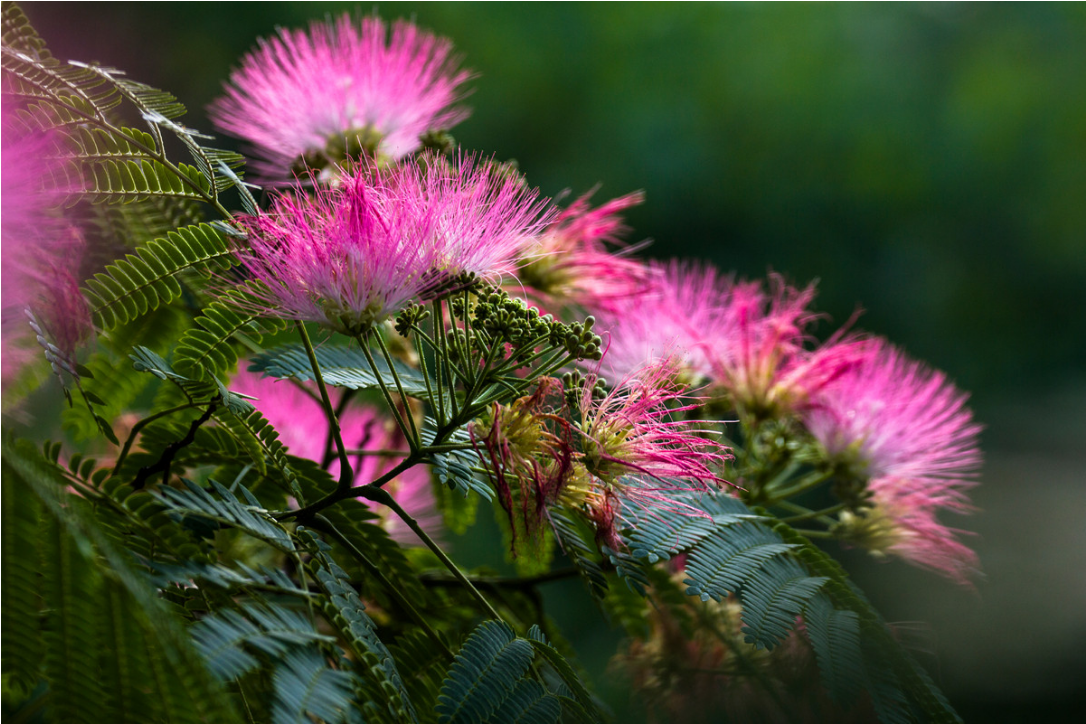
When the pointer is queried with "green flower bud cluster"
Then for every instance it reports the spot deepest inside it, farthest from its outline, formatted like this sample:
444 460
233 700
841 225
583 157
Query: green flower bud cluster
512 321
573 389
410 317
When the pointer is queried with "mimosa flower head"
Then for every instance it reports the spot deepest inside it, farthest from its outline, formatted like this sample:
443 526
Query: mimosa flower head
318 98
575 260
352 255
757 350
674 319
906 429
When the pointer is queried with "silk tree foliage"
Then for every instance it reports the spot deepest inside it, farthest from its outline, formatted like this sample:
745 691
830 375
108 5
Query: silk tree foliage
166 557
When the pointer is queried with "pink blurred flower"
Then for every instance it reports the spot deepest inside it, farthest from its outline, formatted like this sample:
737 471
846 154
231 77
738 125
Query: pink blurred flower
574 260
341 83
302 426
42 252
351 256
906 428
757 354
674 319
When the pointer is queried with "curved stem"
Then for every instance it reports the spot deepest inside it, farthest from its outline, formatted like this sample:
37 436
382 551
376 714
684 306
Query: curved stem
822 516
382 496
804 484
138 427
346 472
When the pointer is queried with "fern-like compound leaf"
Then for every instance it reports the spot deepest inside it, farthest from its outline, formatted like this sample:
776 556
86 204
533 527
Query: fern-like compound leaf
227 509
229 640
208 350
340 366
484 674
569 677
835 638
91 595
19 34
528 703
143 281
348 614
306 688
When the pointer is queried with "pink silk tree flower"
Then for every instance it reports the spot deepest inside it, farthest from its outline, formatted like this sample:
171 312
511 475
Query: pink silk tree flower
299 419
576 259
905 428
757 349
353 255
673 319
314 97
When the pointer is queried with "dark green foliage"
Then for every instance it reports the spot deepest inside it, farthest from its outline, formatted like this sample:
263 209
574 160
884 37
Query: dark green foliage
569 677
340 366
835 638
575 540
104 630
484 675
778 576
226 508
231 640
305 687
21 603
143 281
348 614
357 522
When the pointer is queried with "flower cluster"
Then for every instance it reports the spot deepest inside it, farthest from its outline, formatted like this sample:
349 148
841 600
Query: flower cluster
598 450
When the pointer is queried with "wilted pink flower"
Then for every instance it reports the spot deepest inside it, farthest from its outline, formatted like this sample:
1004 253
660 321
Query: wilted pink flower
757 354
303 427
352 255
606 451
574 260
341 84
906 428
674 318
633 430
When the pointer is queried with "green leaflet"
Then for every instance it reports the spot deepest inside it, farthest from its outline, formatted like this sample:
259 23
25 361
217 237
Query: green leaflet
131 287
208 349
778 576
225 508
348 614
487 668
340 366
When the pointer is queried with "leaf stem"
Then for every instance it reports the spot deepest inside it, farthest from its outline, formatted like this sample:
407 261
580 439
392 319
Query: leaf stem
346 472
322 524
400 422
382 496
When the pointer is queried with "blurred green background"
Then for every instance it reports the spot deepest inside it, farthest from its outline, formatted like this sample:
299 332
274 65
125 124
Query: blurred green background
925 162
